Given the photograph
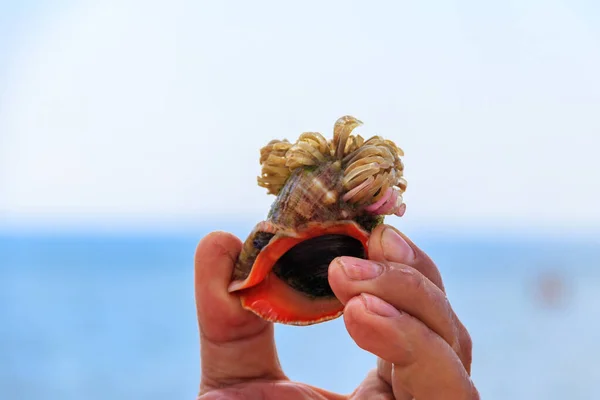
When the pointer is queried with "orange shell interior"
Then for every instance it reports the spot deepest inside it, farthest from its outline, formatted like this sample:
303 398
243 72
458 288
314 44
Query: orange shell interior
269 297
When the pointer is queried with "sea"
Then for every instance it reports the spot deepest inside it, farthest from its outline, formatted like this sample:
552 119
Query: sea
111 315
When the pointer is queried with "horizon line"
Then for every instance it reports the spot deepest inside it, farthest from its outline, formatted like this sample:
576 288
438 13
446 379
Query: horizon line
429 229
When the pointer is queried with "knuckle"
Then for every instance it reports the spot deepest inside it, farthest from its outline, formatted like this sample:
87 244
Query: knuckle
466 341
466 346
455 333
429 337
442 304
410 277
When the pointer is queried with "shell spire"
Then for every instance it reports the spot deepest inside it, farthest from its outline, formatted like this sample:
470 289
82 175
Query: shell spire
373 171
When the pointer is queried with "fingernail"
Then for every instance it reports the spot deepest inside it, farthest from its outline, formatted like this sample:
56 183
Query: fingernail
379 307
359 269
395 247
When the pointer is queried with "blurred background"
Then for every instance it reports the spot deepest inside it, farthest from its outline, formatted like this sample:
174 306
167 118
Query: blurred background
130 129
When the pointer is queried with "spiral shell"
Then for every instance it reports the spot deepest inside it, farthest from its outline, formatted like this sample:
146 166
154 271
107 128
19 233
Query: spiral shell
330 196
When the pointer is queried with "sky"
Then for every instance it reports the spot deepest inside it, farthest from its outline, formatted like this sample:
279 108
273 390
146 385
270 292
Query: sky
131 113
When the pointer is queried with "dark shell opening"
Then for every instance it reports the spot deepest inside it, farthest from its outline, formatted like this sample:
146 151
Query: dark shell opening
304 267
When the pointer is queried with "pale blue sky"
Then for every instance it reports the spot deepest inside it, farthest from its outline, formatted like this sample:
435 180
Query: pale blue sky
142 112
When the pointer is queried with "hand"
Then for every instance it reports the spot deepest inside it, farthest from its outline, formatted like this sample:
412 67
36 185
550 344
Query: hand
401 315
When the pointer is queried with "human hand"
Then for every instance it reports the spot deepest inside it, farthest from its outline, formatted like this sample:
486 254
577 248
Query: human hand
402 316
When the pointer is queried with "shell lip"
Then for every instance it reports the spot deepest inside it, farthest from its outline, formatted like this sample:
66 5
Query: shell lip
274 301
263 293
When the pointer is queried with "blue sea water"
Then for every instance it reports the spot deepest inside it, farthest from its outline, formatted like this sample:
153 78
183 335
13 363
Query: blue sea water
112 316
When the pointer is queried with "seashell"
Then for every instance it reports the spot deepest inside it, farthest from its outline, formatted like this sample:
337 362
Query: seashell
330 195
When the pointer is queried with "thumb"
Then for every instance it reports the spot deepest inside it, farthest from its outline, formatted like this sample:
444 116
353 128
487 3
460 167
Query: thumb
235 344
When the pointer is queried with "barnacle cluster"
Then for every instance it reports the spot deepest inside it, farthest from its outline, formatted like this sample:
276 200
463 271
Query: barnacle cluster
274 171
372 169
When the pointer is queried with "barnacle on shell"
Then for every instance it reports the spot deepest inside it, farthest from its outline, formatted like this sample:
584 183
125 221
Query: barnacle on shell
371 170
274 172
343 142
310 149
374 172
